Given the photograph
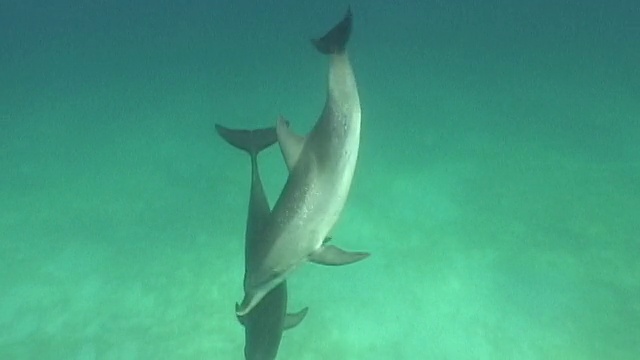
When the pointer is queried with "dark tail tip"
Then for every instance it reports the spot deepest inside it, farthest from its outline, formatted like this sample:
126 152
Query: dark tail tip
251 141
335 41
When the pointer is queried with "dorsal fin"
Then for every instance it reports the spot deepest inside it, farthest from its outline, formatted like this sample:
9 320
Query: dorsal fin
291 144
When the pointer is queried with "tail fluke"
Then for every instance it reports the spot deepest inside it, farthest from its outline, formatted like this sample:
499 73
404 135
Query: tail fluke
251 141
335 41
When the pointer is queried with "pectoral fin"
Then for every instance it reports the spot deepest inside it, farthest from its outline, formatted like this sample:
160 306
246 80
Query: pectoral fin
240 318
333 256
293 319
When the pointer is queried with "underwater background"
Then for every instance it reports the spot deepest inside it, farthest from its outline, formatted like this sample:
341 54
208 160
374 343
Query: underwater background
497 188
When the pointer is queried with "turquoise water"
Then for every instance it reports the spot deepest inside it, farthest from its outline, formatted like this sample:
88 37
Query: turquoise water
497 184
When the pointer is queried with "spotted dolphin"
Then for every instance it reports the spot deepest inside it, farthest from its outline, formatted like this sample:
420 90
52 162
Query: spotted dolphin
322 166
265 324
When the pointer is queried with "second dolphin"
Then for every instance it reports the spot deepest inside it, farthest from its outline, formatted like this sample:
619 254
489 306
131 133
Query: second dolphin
265 324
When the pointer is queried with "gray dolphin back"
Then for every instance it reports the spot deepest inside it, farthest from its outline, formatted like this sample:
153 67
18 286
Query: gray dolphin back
265 324
252 142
